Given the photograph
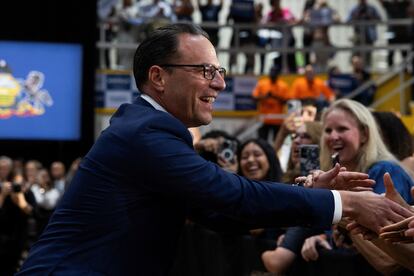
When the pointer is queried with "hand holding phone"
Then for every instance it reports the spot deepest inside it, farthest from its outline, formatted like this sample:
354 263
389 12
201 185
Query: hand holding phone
309 158
294 106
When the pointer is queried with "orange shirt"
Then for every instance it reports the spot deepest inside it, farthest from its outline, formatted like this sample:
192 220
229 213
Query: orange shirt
271 97
302 89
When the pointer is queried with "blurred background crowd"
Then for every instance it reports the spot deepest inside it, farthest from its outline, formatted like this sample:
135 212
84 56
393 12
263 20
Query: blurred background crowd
29 192
251 36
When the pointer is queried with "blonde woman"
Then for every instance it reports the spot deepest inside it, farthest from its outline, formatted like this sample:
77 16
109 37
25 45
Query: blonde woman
350 130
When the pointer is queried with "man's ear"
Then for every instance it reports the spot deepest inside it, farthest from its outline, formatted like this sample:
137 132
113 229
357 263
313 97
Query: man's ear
156 77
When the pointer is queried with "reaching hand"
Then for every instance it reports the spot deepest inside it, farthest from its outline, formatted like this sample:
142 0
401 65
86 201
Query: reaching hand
292 122
393 194
340 237
371 210
402 231
338 179
355 229
309 248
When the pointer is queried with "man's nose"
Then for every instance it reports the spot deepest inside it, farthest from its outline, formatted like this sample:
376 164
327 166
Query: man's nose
218 83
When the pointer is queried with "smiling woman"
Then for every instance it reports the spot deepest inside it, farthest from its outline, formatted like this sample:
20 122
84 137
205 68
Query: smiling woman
258 161
350 130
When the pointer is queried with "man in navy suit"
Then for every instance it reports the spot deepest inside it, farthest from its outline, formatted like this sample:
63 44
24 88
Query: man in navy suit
125 208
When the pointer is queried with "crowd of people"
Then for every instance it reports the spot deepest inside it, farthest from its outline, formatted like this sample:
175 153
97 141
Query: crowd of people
272 93
29 193
364 142
270 28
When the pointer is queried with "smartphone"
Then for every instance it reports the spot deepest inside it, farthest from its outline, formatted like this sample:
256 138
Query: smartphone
294 106
16 188
309 158
227 150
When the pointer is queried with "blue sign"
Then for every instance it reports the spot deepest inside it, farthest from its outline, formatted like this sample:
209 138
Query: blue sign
40 90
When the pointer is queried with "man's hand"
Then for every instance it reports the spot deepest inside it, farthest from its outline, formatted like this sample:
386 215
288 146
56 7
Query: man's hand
390 193
337 179
371 210
402 231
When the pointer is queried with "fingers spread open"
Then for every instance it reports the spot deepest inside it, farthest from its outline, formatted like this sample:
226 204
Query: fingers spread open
350 180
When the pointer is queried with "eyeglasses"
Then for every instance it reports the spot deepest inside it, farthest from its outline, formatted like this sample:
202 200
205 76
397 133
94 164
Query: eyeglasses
209 70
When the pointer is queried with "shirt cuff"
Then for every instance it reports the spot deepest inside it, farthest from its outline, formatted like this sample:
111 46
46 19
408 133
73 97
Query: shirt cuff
338 207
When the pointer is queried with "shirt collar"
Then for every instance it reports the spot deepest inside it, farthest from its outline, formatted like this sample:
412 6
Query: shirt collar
157 106
152 102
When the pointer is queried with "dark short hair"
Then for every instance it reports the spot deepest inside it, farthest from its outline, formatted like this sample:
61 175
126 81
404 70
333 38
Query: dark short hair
217 133
160 47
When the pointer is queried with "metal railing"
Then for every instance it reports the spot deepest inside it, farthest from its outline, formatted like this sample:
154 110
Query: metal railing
344 29
403 84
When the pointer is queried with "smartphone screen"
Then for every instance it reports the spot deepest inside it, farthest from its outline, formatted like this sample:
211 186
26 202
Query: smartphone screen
294 106
309 158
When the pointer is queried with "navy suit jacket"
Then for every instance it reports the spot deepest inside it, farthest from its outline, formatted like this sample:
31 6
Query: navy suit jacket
124 210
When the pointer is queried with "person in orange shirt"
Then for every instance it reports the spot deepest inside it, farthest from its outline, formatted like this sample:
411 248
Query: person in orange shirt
271 94
312 87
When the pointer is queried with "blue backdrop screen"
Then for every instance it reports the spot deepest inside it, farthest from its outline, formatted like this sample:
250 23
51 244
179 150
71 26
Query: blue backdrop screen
40 91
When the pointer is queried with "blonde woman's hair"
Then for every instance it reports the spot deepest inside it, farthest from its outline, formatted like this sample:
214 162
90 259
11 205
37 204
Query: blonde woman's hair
372 151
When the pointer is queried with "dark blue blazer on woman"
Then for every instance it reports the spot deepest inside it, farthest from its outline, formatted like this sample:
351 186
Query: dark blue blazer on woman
124 210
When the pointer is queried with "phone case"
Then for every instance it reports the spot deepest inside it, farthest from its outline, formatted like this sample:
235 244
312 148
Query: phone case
309 158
